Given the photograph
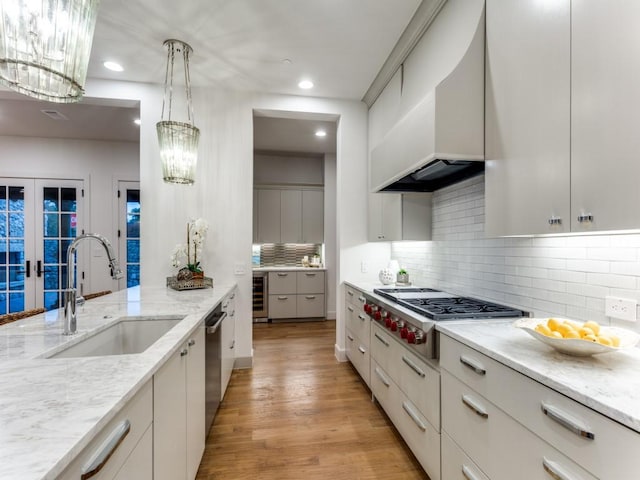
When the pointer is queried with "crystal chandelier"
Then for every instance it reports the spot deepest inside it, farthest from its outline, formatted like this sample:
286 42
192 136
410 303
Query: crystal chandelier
45 47
178 140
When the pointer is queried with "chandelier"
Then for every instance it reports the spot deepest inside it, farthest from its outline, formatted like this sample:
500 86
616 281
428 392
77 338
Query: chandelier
45 47
178 140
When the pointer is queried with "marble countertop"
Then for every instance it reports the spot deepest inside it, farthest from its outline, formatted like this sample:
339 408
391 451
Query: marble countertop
50 409
607 383
289 269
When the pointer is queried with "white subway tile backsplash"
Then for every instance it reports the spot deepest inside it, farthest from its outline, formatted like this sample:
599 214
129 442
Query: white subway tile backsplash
561 276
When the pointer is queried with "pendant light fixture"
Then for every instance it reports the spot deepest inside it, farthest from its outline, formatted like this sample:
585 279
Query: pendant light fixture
178 140
45 47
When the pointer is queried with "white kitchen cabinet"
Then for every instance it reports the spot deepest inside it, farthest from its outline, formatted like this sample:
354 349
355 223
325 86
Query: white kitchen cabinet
123 448
394 217
179 412
297 294
456 465
357 332
268 216
527 116
289 215
228 340
605 114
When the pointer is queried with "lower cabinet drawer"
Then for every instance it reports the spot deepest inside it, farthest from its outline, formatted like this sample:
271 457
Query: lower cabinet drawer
310 305
122 437
456 465
358 354
421 437
357 321
282 306
501 447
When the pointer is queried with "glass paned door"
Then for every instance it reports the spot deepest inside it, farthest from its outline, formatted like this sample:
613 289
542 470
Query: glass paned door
58 208
129 232
16 246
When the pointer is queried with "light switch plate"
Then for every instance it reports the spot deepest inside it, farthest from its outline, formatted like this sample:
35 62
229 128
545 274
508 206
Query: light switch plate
620 308
364 267
239 269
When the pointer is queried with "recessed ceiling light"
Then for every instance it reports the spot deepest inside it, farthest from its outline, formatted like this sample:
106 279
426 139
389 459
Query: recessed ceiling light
137 121
321 133
113 66
305 84
286 61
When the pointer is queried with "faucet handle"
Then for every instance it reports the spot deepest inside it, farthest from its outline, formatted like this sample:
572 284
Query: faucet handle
80 300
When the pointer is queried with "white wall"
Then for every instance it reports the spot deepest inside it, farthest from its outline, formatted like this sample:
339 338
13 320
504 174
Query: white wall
549 276
330 237
98 163
223 191
287 170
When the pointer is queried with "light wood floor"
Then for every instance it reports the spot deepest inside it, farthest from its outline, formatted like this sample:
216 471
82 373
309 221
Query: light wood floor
300 414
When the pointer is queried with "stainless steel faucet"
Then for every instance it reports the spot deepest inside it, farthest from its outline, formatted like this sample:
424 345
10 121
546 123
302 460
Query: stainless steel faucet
70 293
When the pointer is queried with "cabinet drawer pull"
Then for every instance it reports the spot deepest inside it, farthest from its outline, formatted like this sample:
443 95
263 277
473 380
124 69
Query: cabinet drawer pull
310 274
555 221
567 422
362 299
407 408
191 343
477 409
232 296
350 337
310 297
184 352
554 470
468 474
362 317
350 309
283 274
413 366
107 449
473 365
382 378
384 342
283 298
362 350
233 345
350 293
585 218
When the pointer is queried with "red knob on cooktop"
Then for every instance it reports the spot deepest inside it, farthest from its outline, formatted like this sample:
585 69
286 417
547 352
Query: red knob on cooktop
387 322
367 308
394 326
377 315
411 337
404 332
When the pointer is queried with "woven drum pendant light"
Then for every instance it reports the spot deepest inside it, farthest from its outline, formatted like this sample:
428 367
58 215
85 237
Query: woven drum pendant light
178 140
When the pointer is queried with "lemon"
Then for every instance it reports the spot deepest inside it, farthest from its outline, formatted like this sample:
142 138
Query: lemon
572 334
565 328
543 329
590 338
552 323
604 340
615 340
593 326
556 335
584 331
575 325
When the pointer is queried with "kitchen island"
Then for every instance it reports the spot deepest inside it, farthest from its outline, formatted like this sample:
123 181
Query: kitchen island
51 408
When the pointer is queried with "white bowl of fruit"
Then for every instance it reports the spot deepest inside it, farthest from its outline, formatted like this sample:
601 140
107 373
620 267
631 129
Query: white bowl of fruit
578 338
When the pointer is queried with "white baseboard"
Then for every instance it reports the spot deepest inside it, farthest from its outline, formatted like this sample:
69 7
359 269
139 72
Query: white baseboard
243 362
340 353
331 315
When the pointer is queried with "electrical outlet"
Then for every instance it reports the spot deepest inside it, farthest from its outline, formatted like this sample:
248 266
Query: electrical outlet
620 308
364 267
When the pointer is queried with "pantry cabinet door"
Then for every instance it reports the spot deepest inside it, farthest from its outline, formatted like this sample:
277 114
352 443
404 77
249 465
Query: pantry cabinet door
268 216
605 107
527 116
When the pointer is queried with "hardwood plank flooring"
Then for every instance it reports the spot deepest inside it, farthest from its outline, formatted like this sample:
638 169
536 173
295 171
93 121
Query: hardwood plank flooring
301 414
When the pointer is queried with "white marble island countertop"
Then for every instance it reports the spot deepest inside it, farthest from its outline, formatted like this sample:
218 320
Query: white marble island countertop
289 269
51 408
607 383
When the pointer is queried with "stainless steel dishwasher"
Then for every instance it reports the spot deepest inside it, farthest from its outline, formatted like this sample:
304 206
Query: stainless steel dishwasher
213 367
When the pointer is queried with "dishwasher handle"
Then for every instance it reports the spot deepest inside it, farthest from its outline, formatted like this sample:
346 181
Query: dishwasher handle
214 328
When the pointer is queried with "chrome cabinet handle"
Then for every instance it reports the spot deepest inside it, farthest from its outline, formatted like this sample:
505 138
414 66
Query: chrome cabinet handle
184 352
232 296
382 378
585 218
555 221
282 298
107 449
567 422
310 297
362 350
407 408
350 309
384 342
477 409
310 274
283 274
413 367
473 365
350 338
191 343
467 473
350 293
362 299
362 317
233 345
554 470
214 327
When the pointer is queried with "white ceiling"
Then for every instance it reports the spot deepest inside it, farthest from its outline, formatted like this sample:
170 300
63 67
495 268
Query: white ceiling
293 135
238 44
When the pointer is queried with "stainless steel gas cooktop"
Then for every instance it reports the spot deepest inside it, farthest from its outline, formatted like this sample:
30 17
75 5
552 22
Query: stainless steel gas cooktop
439 306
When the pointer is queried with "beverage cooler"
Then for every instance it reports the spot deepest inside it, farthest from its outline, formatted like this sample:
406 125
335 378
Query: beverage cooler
260 296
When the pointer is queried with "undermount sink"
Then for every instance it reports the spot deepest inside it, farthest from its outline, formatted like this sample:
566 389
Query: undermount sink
125 337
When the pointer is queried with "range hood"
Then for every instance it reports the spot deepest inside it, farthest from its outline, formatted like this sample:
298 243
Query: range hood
440 141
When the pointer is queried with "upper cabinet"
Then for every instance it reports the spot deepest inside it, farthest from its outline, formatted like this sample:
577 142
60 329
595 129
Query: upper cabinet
527 116
605 115
562 116
289 215
394 217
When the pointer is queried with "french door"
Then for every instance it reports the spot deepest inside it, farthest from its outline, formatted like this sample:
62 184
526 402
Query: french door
129 232
39 218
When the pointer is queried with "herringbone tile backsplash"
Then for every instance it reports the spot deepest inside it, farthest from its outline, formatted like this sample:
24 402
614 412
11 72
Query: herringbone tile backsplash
287 254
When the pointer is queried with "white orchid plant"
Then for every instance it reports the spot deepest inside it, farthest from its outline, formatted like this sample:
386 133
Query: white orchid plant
196 234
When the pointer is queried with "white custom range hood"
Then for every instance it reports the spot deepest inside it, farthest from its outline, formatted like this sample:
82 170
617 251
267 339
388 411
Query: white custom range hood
440 140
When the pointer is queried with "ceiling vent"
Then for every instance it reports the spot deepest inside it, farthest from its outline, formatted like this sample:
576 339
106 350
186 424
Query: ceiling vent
54 115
